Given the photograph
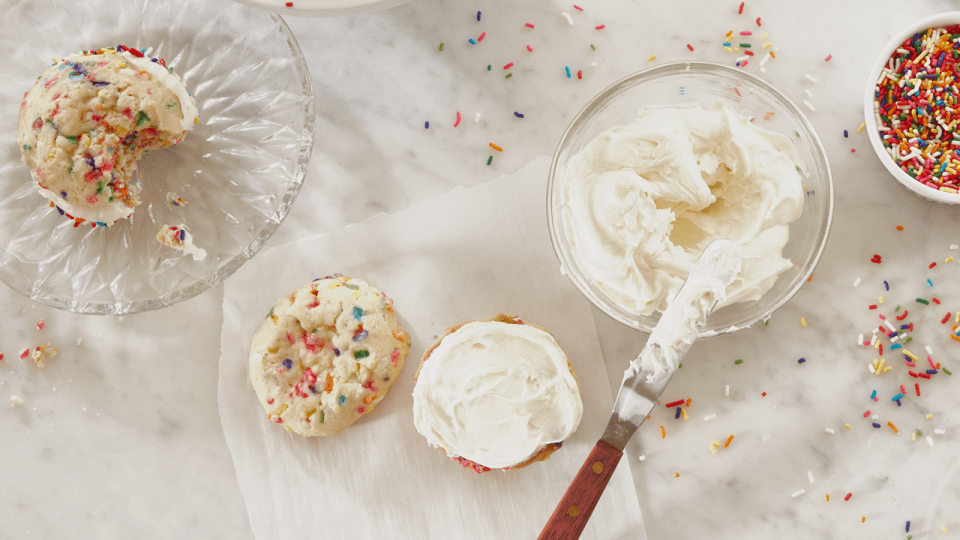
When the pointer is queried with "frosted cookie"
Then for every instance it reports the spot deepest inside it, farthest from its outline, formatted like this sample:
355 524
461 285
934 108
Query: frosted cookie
87 121
326 355
496 394
180 239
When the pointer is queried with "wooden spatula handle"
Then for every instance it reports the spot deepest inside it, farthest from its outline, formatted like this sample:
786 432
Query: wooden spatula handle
571 515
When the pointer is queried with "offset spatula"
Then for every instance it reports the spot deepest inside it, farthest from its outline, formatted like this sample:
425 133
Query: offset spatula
644 381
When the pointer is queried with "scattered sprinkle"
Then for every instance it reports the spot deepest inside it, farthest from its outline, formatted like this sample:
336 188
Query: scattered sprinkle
663 433
738 362
810 78
847 496
709 417
827 59
798 493
457 123
600 27
495 147
830 431
567 17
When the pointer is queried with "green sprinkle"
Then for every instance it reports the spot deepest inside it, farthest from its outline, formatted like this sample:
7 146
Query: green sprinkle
766 322
171 104
896 309
945 370
745 45
269 314
738 361
351 286
71 139
922 301
342 399
592 47
70 170
488 67
508 75
141 117
489 160
680 366
321 417
27 147
362 353
908 340
441 45
919 433
101 184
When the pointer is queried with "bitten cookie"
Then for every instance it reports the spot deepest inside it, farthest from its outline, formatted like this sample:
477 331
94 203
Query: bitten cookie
87 121
496 394
326 355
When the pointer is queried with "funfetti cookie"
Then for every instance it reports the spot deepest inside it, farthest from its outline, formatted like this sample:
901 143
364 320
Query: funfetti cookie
90 118
326 355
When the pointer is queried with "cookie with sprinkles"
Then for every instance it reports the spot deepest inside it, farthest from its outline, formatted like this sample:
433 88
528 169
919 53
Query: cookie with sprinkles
496 393
90 118
327 354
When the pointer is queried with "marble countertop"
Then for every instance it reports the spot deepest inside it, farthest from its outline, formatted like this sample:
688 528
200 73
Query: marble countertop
120 436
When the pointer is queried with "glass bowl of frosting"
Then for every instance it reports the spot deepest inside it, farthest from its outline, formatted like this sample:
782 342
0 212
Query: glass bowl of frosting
668 159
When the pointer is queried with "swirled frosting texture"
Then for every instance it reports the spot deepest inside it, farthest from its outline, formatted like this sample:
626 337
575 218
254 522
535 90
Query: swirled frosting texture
496 393
642 201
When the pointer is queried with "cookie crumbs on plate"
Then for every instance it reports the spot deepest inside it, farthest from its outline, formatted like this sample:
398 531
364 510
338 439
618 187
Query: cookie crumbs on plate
42 353
15 400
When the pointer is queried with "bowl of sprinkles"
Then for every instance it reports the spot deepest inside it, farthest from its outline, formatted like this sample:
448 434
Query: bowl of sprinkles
910 108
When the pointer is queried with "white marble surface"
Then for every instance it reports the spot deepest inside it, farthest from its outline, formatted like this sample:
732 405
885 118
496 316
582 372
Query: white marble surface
119 436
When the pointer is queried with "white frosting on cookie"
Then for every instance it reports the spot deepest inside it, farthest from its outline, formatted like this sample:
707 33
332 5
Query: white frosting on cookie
496 393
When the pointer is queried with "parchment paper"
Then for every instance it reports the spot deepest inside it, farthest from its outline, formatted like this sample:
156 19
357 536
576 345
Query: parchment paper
470 254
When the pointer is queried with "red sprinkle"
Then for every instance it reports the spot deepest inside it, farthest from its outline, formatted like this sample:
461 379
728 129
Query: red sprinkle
677 403
578 8
876 259
827 59
457 123
289 4
740 11
924 375
912 374
764 394
600 27
580 74
1 356
748 53
529 48
866 414
911 327
758 21
872 306
25 353
903 315
508 66
483 35
917 386
847 498
932 265
689 46
528 25
935 301
945 318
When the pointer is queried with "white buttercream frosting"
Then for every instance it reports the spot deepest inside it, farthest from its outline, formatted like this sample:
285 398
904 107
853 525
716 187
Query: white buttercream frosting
681 323
641 202
496 393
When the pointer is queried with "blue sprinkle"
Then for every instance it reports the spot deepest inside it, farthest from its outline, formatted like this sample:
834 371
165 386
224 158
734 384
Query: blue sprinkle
899 404
342 399
102 224
904 326
930 283
678 413
183 234
876 425
873 395
59 210
897 397
357 312
63 194
896 346
478 20
426 125
908 526
472 41
931 372
886 285
726 43
568 71
336 351
313 389
518 115
845 134
802 360
287 363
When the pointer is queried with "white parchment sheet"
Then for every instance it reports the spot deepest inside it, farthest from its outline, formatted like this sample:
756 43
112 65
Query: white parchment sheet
470 254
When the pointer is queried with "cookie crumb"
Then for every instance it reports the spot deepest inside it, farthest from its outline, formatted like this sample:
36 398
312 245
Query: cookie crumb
43 353
15 400
40 324
180 239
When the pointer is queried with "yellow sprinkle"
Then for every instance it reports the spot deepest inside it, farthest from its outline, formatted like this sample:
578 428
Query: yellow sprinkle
881 300
944 528
908 353
767 45
196 120
929 416
863 519
948 259
888 368
863 125
713 449
728 49
803 322
764 36
848 426
882 361
652 57
914 436
826 496
684 413
121 65
947 189
121 131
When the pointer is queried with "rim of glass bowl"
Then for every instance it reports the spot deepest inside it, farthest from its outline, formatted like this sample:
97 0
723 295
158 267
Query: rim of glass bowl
555 220
873 134
247 253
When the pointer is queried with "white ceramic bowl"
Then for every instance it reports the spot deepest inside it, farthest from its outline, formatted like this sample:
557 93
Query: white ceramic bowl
927 192
701 82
